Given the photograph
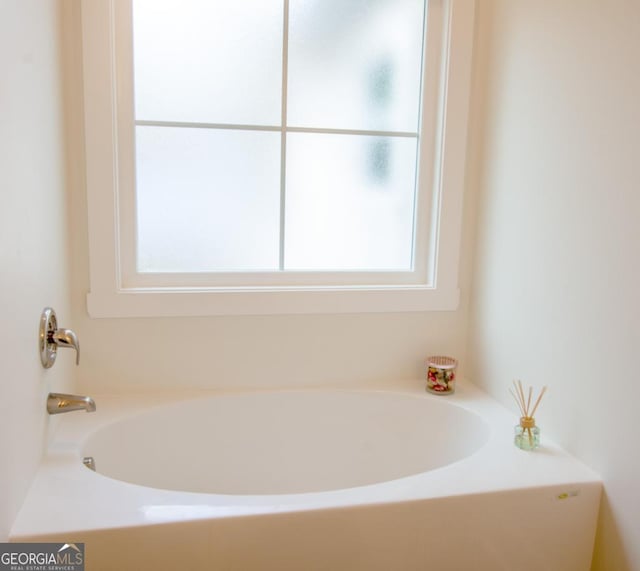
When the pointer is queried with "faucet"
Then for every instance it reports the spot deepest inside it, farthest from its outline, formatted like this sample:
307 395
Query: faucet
66 338
58 403
50 337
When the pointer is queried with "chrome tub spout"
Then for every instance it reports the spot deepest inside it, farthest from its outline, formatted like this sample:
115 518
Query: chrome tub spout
58 403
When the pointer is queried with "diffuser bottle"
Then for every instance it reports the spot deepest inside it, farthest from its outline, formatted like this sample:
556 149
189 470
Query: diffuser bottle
527 434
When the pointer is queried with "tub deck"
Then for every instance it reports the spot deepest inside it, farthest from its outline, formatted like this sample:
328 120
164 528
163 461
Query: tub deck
500 508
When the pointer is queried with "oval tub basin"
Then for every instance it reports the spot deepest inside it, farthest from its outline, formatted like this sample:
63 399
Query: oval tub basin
286 442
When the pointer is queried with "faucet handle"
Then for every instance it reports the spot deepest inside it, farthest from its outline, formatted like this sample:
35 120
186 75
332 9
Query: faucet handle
51 338
67 338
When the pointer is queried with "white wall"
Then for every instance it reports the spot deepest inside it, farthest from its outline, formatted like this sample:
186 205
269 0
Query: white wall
34 269
554 180
555 164
555 139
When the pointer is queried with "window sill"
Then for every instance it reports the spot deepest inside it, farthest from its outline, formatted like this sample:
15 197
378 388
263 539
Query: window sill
270 301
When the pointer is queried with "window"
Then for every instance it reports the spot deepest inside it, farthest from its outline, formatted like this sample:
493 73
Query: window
306 170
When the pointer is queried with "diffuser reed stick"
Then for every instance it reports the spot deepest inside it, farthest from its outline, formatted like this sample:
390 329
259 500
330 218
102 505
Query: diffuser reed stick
527 420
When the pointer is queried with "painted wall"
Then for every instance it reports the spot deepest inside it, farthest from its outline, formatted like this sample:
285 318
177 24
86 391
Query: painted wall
34 270
554 166
248 351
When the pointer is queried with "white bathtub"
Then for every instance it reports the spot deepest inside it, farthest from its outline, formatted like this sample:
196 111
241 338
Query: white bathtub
388 479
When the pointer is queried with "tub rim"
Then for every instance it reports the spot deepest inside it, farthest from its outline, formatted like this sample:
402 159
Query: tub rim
86 501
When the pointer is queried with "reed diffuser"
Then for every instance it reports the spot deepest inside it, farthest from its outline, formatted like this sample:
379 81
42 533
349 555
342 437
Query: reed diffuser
527 434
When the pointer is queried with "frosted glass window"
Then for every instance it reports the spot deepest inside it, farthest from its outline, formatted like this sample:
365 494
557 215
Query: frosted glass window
208 61
355 64
266 145
207 200
350 202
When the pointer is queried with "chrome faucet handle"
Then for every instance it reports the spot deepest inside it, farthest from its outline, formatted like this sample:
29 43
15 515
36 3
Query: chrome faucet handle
67 338
51 338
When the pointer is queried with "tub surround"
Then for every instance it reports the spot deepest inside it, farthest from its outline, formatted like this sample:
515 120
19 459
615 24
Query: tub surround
509 508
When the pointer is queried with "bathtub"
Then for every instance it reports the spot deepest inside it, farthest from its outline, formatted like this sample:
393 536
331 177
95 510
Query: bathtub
365 478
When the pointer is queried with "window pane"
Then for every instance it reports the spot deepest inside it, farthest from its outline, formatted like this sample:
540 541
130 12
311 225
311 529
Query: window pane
355 64
349 202
208 61
207 200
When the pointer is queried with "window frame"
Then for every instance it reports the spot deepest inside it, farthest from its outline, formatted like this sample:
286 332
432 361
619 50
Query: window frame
109 164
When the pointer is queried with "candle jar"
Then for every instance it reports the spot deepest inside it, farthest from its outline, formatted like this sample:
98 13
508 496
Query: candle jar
527 434
441 375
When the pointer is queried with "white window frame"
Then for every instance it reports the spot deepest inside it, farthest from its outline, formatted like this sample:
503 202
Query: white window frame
114 294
